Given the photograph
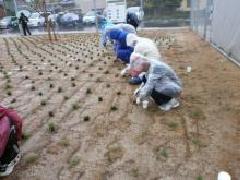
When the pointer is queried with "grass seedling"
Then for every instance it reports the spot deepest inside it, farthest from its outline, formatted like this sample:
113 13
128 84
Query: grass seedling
173 125
75 106
100 99
33 88
199 178
25 136
74 161
13 101
52 128
134 172
43 103
86 118
164 153
51 114
59 89
89 91
51 85
64 142
113 108
31 158
66 97
40 94
8 86
196 142
9 93
73 84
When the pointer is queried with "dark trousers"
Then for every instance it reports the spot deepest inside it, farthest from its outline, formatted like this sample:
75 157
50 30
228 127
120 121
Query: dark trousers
158 98
25 29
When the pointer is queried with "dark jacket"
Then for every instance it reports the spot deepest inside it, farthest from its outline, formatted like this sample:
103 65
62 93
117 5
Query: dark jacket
23 20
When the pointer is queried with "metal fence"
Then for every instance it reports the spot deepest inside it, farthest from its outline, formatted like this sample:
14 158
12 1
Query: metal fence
201 17
218 22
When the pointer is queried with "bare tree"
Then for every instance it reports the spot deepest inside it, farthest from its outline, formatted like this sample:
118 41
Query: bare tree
40 6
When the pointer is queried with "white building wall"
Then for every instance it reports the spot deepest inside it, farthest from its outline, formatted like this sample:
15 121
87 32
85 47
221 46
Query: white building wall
87 5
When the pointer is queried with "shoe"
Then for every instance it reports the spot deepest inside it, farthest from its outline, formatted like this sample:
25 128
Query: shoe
9 168
135 80
173 103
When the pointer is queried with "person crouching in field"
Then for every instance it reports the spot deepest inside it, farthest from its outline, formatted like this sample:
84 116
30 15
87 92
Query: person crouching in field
143 46
123 52
160 82
111 27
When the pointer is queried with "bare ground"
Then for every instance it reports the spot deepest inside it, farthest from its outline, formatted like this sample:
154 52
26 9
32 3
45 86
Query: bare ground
73 88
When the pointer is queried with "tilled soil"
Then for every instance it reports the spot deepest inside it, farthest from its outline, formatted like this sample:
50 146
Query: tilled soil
80 121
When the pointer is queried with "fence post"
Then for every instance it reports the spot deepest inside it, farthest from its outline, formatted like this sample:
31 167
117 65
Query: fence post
205 19
191 16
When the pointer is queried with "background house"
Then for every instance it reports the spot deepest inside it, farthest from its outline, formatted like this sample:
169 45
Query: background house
87 5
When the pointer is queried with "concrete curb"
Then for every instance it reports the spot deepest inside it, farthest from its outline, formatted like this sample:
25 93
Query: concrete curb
170 29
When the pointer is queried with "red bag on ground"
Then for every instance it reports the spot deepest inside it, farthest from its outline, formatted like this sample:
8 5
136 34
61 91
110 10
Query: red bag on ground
10 134
4 133
15 118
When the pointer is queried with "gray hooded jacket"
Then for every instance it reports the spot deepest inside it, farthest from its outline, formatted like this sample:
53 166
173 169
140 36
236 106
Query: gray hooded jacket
162 79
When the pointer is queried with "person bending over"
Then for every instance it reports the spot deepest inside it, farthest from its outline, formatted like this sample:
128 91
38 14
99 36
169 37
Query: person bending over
111 27
123 52
160 82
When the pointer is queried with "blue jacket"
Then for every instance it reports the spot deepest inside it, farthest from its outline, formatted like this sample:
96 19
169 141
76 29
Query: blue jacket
123 51
120 37
108 27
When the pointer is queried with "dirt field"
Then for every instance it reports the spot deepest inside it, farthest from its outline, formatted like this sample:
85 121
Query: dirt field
81 123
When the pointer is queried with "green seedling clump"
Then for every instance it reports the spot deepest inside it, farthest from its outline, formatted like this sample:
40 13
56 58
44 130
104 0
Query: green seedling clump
52 128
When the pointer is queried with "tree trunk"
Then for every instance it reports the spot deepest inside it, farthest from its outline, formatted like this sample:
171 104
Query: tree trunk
46 20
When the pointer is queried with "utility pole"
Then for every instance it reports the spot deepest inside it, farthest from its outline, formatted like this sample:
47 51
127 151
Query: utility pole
15 7
142 11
